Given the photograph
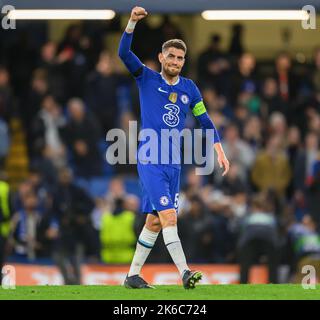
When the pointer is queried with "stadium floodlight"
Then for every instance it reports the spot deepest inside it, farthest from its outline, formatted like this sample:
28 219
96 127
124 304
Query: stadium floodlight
61 14
255 15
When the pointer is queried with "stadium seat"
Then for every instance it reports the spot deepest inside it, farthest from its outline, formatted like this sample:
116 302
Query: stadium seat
98 186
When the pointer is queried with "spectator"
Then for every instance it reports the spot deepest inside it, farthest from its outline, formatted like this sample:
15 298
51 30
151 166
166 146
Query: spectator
46 130
4 142
304 161
6 95
41 190
193 182
25 228
271 170
117 232
303 247
72 208
81 135
271 98
196 230
48 56
277 125
169 30
248 98
221 208
253 132
293 147
215 102
213 66
233 185
258 237
237 150
73 60
244 78
293 144
53 65
313 190
24 188
313 118
287 83
116 192
102 92
32 103
241 116
211 53
236 44
46 168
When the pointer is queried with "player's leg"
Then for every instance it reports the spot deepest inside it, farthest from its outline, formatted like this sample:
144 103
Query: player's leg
170 231
146 240
145 243
172 241
171 238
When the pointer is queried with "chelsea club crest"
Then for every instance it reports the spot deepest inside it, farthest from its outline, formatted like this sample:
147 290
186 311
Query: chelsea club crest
184 98
164 201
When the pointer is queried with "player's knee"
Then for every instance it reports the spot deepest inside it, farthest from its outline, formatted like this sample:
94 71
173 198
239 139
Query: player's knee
154 226
171 221
168 218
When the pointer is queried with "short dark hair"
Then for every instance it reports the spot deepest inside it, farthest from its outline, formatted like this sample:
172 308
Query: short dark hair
262 201
176 43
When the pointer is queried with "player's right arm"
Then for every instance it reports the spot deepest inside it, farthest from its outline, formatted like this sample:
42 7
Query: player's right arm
131 61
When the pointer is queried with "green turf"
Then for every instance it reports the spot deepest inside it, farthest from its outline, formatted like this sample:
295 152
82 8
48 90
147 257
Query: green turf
205 292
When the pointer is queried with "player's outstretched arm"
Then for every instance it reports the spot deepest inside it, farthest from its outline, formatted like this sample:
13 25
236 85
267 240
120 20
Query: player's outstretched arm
131 61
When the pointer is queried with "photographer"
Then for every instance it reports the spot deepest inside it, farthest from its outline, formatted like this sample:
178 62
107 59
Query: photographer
72 208
303 247
259 237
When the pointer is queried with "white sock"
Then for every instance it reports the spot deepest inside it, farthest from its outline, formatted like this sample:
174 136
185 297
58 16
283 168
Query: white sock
145 243
173 244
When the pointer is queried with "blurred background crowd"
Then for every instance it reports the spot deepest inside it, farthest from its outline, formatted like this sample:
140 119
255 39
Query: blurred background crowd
67 204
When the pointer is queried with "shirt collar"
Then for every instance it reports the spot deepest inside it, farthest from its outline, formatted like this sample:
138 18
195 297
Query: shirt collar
178 80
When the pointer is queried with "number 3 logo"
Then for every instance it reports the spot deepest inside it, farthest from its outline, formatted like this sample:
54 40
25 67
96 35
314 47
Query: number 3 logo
171 118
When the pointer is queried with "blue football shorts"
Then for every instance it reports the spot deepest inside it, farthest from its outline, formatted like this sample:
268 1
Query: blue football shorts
160 187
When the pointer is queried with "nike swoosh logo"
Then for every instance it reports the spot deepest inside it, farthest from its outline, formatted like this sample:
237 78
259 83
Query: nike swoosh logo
162 90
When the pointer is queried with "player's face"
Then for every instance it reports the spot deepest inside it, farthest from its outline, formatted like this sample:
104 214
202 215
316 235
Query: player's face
172 61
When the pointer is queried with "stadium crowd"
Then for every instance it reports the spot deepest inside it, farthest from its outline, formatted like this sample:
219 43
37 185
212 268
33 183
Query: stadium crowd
74 205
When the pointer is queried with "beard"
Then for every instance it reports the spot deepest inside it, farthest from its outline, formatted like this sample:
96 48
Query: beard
172 72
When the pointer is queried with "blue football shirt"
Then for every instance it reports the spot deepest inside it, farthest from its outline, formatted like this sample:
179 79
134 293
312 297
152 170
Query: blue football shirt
164 108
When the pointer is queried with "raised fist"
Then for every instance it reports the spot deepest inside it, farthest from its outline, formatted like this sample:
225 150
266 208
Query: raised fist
138 13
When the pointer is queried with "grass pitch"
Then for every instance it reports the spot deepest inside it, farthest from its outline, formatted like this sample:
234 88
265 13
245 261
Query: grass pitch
202 292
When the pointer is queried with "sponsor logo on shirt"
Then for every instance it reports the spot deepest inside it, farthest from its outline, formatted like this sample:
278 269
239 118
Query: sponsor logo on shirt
161 90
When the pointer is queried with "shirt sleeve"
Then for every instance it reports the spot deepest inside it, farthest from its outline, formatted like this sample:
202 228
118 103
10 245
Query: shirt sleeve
131 61
199 111
196 96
